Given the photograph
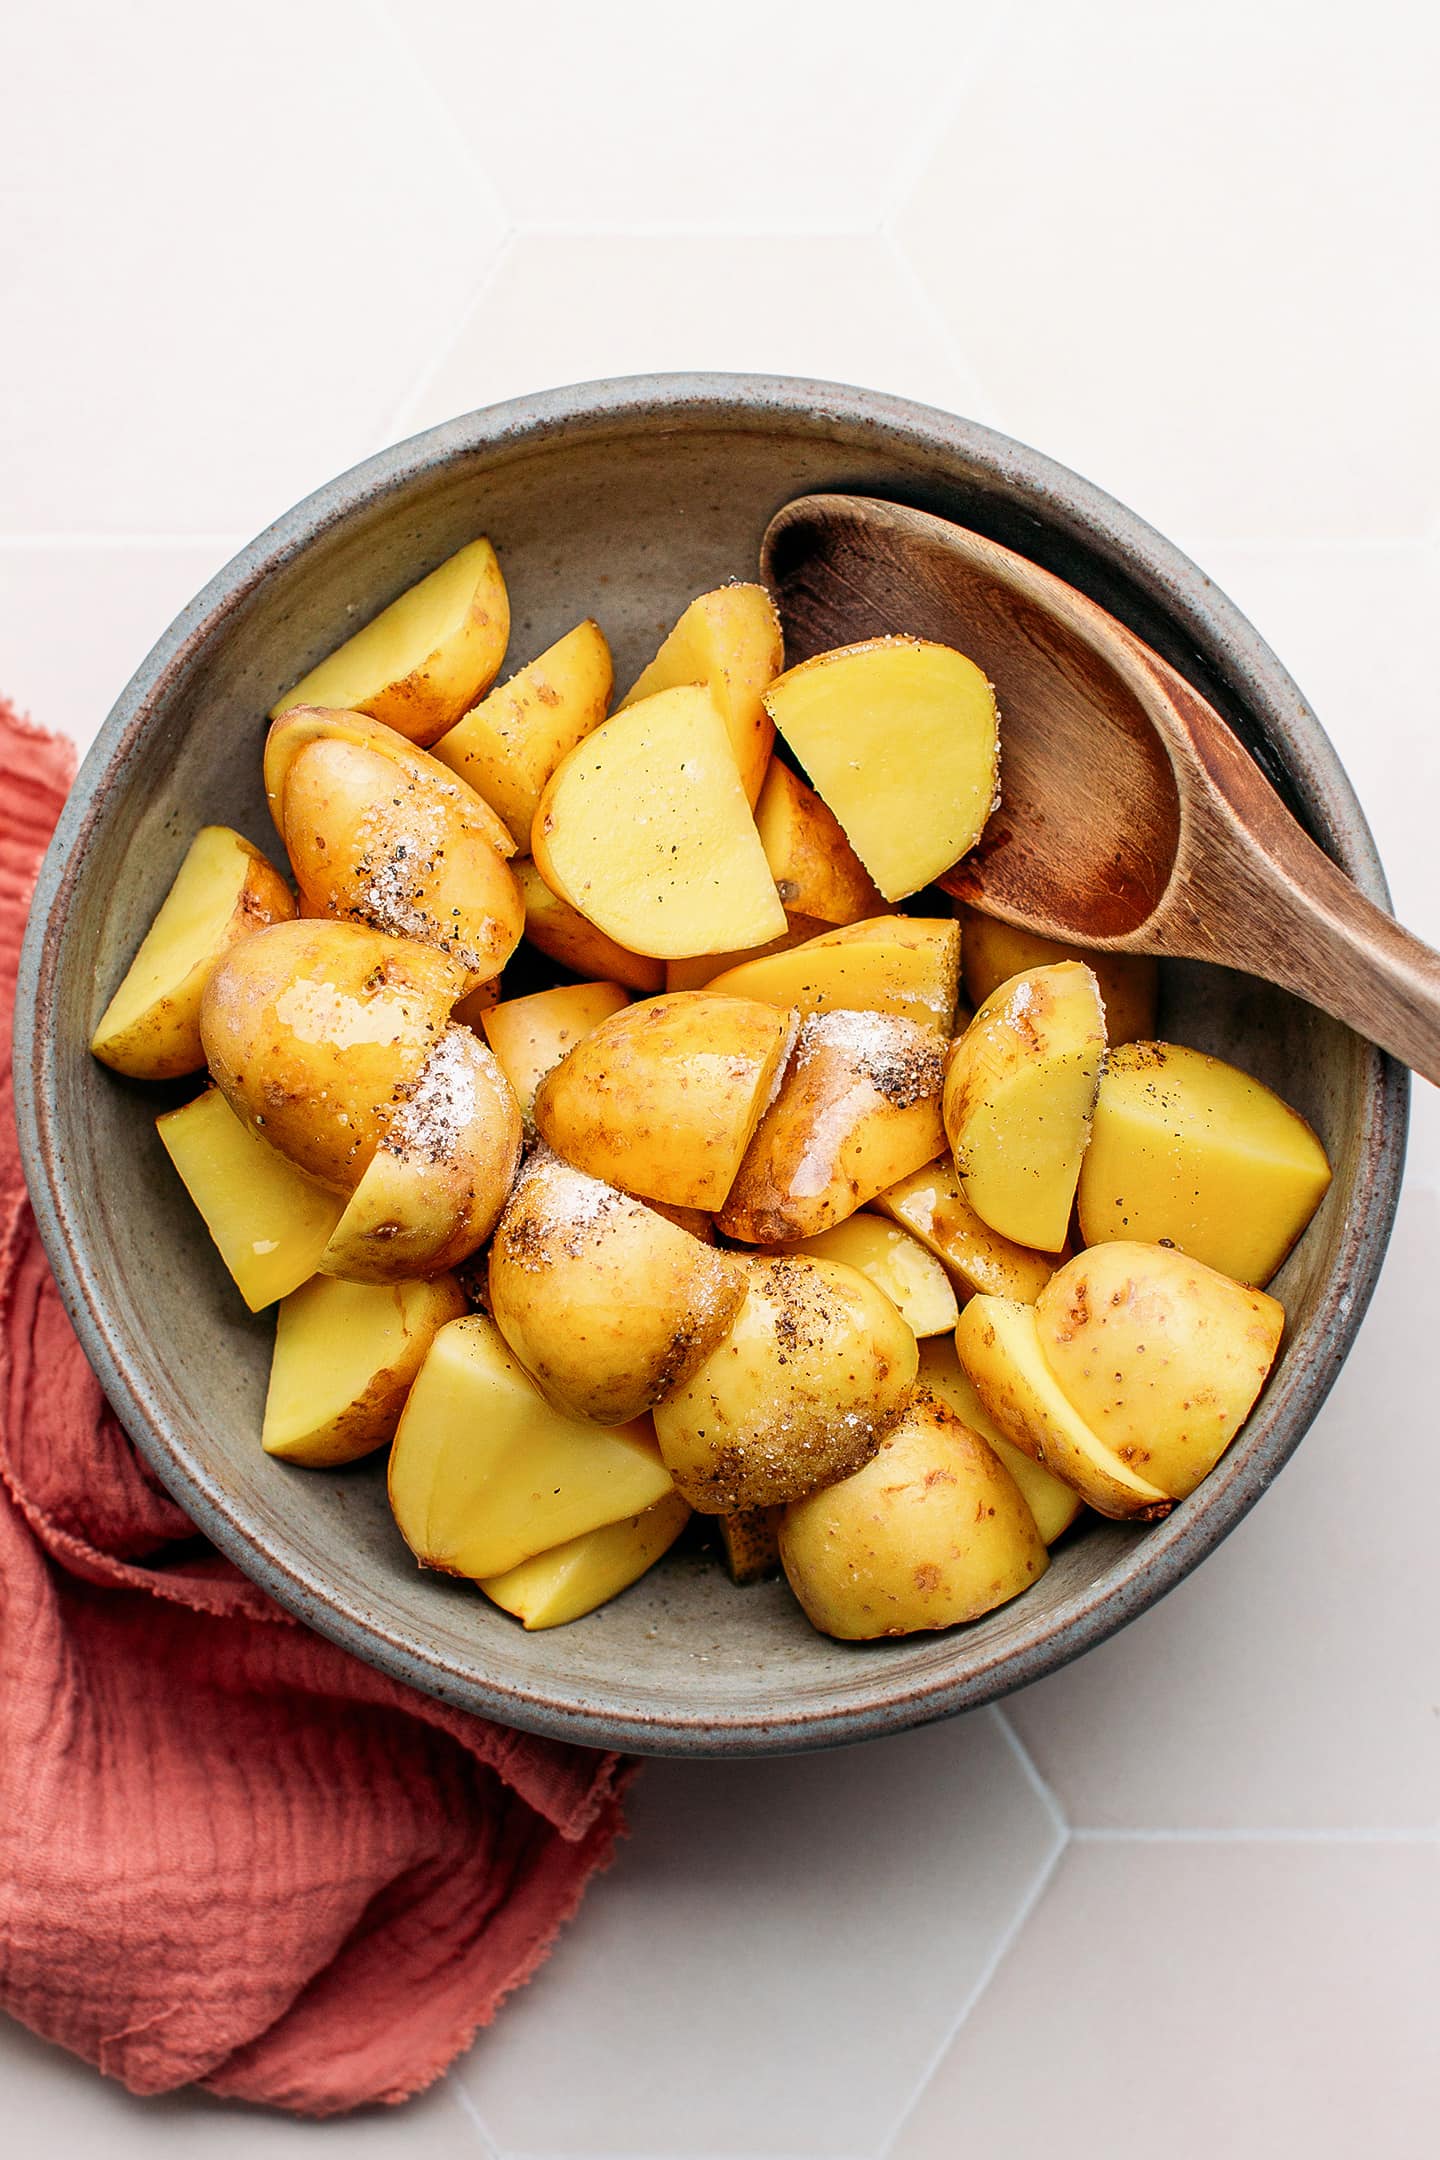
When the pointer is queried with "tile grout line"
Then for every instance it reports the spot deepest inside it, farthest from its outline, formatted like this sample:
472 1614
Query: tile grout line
1043 1792
385 24
970 379
402 411
456 2086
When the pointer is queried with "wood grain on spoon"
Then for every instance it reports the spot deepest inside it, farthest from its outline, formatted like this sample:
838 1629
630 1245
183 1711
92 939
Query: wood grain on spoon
1130 818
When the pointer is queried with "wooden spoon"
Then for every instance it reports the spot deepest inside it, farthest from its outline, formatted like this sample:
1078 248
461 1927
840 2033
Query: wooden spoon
1131 818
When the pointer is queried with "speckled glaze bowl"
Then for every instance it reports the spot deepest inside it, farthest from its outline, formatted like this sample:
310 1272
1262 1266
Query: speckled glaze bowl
625 499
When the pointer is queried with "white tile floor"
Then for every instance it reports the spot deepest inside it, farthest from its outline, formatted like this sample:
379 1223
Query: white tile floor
1190 251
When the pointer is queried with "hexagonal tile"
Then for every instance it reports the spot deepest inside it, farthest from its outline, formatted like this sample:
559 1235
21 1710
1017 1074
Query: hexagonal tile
776 1956
1184 251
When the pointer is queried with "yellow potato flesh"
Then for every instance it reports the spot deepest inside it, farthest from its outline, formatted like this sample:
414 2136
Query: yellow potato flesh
702 968
998 1343
730 641
1160 1355
1192 1150
1052 1502
931 1203
302 725
530 1034
484 1473
345 1356
991 952
270 1224
425 659
750 1541
372 844
605 1303
817 1365
663 1098
816 871
1019 1097
564 935
931 1532
572 1579
224 890
903 965
912 1278
507 747
859 1108
645 829
900 738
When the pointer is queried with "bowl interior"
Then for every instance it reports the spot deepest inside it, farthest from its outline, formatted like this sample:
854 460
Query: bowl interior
623 506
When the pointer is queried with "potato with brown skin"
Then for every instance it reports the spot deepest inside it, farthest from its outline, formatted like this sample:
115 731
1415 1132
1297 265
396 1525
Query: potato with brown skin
345 1356
663 1098
507 746
915 1282
859 1108
315 1030
1052 1502
816 871
816 1367
991 952
931 1532
931 1204
302 725
562 933
606 1304
908 965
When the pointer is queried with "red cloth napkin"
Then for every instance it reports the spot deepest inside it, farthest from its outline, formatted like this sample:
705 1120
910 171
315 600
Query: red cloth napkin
229 1852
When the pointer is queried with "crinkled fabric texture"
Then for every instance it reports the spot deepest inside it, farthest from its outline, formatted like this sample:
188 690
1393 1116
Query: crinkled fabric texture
230 1854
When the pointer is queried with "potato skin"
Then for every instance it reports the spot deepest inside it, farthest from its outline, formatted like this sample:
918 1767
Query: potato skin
300 725
562 933
931 1204
816 1367
816 871
932 1531
993 951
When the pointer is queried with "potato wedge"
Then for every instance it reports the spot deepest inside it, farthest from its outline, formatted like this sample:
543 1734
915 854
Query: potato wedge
646 830
530 1034
930 1532
302 725
858 1109
902 964
1160 1355
606 1304
564 935
1019 1097
507 746
991 952
697 1221
484 1473
702 968
816 1367
931 1204
897 1263
998 1343
750 1541
424 660
313 1031
900 739
816 871
730 641
1188 1150
572 1579
1052 1502
223 890
345 1356
400 852
270 1224
664 1097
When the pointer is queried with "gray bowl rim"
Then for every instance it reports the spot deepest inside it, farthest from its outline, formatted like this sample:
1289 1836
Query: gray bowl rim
1062 500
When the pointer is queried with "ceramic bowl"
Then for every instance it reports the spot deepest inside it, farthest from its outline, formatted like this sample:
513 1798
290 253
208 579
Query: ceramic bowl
625 499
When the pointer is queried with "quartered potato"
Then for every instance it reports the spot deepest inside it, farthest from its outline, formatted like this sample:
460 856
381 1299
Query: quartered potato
564 935
270 1222
931 1203
750 1541
701 969
345 1356
729 640
897 1263
991 952
507 746
302 725
816 871
1052 1502
572 1579
530 1034
907 965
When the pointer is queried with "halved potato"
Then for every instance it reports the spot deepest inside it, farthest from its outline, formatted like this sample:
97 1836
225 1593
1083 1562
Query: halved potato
530 1034
750 1541
931 1532
931 1203
908 965
858 1108
645 829
1019 1097
730 641
302 725
1052 1502
816 871
897 1263
223 890
1192 1152
270 1224
572 1579
816 1367
664 1097
345 1356
507 746
900 738
424 660
564 935
485 1473
991 952
998 1342
702 968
